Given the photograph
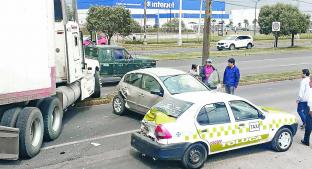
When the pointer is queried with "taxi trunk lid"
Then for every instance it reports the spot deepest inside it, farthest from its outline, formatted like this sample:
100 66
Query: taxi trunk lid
152 119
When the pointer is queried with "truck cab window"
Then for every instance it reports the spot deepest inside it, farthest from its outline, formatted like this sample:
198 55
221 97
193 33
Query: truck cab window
58 14
119 54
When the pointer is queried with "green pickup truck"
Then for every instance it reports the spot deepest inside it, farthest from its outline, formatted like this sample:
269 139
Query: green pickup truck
116 61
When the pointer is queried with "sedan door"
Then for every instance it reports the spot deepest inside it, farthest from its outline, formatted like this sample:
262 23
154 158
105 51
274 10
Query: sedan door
250 123
150 94
131 90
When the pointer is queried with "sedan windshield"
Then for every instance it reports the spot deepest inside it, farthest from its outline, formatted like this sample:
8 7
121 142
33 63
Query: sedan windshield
183 83
230 38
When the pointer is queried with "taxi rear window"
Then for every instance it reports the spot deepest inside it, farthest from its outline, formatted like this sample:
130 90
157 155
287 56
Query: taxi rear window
173 107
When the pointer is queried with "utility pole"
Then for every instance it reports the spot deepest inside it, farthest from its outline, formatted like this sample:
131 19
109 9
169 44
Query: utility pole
144 28
180 25
255 21
199 21
206 38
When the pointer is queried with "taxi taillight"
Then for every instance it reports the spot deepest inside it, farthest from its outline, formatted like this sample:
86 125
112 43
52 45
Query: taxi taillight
162 133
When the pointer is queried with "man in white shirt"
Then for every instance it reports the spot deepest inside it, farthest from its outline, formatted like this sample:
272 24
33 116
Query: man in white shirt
303 96
308 122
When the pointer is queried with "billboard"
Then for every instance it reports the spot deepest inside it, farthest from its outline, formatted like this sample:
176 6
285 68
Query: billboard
152 4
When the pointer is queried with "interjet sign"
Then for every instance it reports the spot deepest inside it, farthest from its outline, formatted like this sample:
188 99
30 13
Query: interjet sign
161 5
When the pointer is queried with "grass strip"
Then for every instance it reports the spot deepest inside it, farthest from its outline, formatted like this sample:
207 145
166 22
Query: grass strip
227 53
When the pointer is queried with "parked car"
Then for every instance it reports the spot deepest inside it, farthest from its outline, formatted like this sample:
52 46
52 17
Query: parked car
235 42
116 61
190 126
139 90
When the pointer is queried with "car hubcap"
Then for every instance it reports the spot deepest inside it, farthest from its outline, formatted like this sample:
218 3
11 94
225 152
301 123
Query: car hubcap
284 140
117 105
56 119
35 132
195 156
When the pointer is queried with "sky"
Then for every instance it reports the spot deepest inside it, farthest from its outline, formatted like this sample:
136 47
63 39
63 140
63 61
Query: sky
304 5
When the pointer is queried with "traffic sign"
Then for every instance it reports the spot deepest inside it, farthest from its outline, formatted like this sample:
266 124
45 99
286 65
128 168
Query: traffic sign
276 26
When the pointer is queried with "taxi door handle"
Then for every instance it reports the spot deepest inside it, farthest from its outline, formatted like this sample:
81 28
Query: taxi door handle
205 130
241 125
141 94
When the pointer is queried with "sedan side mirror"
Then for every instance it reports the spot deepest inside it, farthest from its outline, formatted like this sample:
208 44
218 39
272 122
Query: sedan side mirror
157 92
261 116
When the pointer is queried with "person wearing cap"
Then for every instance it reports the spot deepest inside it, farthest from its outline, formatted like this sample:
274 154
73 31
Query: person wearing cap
231 77
303 96
206 71
308 120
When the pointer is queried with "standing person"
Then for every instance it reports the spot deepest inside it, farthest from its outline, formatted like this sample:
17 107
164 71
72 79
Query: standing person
231 77
194 71
308 127
303 96
206 71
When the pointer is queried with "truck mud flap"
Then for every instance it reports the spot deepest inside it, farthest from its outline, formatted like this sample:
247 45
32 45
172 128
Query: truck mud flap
9 143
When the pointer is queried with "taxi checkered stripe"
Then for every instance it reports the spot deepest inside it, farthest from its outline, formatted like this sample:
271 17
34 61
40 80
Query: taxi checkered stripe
230 129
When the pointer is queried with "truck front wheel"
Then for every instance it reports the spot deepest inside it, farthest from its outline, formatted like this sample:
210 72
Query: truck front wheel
52 113
30 124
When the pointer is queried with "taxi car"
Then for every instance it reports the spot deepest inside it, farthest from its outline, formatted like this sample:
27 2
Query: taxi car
139 90
191 126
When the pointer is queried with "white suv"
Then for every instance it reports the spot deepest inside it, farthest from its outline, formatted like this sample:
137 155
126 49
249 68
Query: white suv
235 41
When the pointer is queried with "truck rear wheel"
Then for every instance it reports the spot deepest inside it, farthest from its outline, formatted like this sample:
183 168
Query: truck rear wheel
10 116
30 124
97 85
52 113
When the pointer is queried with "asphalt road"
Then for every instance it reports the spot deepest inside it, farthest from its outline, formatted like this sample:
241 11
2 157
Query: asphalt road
93 138
253 64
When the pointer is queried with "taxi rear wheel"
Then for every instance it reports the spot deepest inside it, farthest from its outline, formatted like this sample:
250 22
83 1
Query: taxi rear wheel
282 140
195 156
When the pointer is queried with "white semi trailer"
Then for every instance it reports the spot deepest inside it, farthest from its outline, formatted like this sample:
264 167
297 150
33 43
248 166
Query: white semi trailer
42 72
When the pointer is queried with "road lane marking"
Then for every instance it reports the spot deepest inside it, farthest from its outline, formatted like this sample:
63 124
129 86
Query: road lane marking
89 139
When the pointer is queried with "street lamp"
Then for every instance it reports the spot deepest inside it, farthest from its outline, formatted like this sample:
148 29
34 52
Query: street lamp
255 21
199 21
180 25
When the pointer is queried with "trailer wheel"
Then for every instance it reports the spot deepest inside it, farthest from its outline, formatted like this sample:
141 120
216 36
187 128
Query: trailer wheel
97 85
52 113
10 116
30 124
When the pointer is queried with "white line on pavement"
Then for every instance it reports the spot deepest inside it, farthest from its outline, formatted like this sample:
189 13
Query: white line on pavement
89 139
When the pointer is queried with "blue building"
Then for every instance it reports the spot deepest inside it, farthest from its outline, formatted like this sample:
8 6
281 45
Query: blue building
160 11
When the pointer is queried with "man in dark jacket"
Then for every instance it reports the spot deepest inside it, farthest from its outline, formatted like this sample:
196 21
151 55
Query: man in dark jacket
308 119
231 77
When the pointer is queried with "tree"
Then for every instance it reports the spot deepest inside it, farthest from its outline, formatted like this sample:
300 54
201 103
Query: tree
292 20
239 25
135 27
110 21
173 25
246 22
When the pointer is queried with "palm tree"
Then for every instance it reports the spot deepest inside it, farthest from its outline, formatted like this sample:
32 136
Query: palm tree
213 25
239 25
246 22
